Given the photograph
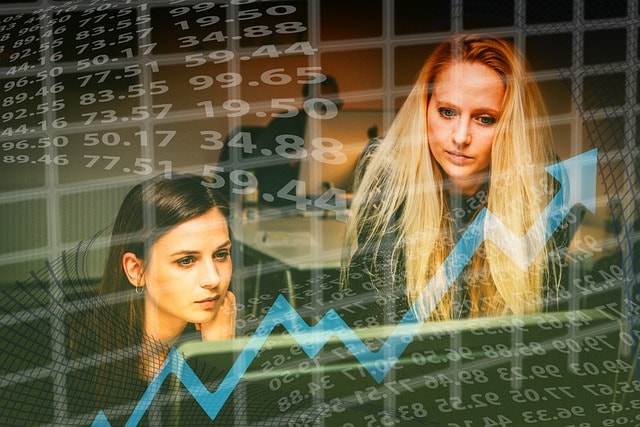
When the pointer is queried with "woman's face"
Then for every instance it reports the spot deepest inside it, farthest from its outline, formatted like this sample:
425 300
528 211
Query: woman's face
187 275
464 108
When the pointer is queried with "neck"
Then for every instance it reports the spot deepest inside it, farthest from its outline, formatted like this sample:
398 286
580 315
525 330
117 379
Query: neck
157 327
464 190
465 186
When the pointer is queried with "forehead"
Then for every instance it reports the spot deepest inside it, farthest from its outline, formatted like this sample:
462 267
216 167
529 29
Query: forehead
469 80
210 227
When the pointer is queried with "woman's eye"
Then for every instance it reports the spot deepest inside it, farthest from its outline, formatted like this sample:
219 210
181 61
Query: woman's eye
222 255
447 112
186 261
486 120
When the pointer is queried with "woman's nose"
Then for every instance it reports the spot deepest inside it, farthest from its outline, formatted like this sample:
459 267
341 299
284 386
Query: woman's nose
461 132
210 278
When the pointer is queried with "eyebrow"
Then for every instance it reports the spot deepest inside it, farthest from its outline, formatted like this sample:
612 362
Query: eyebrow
192 252
448 104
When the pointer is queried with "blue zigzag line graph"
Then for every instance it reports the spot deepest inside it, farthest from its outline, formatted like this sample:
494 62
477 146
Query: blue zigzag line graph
577 185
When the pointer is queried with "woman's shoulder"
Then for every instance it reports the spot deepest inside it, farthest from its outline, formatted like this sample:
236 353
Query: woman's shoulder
370 148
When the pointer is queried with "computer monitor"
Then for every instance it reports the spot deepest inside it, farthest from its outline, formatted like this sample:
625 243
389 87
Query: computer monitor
567 368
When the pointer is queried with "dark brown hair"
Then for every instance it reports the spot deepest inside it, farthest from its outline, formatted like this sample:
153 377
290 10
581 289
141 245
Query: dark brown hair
148 211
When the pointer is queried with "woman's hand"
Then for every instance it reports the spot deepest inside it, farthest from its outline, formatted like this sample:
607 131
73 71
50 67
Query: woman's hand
223 325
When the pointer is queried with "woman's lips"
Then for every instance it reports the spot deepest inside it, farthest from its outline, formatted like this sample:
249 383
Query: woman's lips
208 302
458 158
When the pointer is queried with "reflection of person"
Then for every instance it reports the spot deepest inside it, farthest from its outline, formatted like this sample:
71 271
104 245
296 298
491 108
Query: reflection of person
275 176
169 264
473 133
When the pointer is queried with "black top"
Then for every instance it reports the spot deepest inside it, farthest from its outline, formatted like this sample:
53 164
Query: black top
370 276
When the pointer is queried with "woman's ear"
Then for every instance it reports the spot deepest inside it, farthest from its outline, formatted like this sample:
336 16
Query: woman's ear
134 268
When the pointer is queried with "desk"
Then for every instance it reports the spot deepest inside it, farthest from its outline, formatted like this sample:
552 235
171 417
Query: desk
295 243
303 243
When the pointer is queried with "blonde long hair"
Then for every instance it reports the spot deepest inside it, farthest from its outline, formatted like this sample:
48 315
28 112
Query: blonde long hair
403 185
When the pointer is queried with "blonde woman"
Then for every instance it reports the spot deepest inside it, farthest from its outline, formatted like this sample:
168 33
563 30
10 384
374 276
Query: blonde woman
473 133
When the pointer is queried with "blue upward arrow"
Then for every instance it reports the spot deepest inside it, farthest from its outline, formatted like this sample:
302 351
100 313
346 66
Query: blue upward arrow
577 185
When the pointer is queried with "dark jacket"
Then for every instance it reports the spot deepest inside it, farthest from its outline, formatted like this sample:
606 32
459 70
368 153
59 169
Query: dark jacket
371 275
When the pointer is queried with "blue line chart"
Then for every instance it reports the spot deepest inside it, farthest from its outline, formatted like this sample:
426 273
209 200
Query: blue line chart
577 185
